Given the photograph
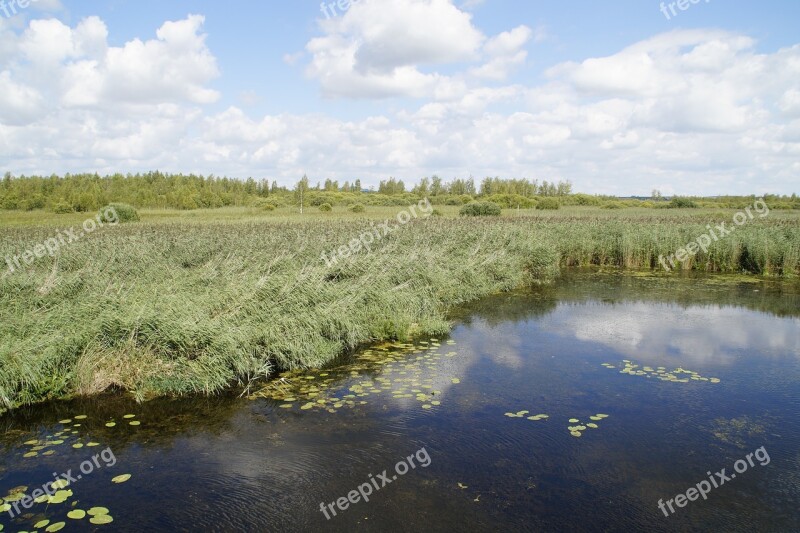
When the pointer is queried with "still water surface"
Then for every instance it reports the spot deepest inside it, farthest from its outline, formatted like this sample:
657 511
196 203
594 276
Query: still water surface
704 373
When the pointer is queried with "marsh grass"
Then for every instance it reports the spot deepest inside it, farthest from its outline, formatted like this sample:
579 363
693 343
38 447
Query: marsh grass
182 304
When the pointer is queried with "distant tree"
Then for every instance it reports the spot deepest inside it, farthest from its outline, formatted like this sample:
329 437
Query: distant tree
301 191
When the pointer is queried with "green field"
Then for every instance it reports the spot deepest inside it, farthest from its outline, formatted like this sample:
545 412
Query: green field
196 301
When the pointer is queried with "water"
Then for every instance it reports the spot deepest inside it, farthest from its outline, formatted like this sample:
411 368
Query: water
237 464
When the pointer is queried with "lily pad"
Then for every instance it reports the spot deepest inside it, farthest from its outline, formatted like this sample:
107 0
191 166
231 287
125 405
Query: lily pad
58 526
100 520
121 479
77 514
97 511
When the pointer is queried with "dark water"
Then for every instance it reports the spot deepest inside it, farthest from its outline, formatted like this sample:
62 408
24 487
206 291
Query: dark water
230 464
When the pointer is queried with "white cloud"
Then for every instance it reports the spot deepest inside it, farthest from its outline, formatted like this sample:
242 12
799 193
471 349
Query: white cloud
695 112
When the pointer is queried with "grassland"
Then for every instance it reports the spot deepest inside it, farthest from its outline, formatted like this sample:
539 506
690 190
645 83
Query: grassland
196 301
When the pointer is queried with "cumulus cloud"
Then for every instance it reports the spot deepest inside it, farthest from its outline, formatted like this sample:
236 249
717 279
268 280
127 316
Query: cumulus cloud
695 112
379 49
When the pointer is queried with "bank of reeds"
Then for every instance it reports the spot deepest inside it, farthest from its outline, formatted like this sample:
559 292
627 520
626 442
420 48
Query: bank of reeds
180 308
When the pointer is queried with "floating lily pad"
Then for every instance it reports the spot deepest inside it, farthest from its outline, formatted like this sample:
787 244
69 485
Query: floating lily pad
65 421
129 416
97 511
58 526
573 420
135 423
121 479
41 524
110 424
100 520
60 484
77 514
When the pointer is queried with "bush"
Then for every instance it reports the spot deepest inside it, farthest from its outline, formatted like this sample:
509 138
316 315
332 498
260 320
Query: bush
62 208
480 209
681 203
511 201
585 199
357 208
436 213
326 208
612 205
124 213
549 204
263 203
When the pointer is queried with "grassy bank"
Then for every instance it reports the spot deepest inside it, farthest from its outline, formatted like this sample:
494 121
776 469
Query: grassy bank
194 302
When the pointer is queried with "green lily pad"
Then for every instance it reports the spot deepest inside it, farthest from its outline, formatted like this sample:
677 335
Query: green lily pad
58 526
97 511
121 479
100 520
41 524
77 514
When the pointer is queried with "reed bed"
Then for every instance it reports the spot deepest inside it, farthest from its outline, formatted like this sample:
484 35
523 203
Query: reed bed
188 307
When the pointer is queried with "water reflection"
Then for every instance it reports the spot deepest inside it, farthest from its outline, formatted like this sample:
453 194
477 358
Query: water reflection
230 464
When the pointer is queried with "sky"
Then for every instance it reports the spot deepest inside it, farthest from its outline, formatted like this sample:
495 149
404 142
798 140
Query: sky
618 97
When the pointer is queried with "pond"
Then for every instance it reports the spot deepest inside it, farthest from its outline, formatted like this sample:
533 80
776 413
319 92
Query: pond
605 402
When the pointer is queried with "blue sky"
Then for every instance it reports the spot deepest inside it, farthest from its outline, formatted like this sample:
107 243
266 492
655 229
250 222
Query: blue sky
610 95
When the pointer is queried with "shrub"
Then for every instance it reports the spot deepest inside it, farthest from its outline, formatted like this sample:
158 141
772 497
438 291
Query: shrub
612 205
326 208
480 209
681 203
436 213
357 208
585 199
62 208
549 204
511 201
268 207
124 213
